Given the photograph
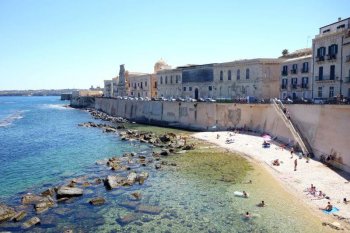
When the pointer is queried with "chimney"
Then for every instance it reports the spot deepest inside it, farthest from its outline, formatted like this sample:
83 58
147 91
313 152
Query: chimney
339 18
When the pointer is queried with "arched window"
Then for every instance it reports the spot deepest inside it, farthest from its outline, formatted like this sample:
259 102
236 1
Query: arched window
171 79
221 75
247 73
229 75
161 79
238 74
166 79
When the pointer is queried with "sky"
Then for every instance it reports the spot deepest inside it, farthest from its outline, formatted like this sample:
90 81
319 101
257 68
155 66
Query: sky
48 44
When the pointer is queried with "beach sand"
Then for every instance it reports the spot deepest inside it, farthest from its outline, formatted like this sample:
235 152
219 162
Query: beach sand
296 182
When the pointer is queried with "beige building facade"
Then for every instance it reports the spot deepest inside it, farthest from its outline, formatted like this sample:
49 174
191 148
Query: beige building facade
331 59
238 79
296 77
142 85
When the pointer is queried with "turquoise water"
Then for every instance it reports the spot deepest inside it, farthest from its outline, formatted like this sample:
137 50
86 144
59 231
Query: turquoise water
41 143
42 146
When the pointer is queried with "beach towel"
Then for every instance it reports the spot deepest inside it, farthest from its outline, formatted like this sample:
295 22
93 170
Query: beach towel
335 209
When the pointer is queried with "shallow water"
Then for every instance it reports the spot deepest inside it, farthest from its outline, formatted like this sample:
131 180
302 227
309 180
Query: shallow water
46 148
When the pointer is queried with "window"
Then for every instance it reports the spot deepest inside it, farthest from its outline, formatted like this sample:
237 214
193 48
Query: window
305 68
145 83
332 72
341 26
304 82
229 75
319 94
284 83
331 92
177 79
238 74
171 79
184 88
190 88
161 80
294 83
221 75
247 74
332 51
141 85
321 52
166 79
155 84
210 88
320 73
285 70
294 68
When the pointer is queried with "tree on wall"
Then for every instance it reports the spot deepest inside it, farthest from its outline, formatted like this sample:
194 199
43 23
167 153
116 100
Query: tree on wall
285 52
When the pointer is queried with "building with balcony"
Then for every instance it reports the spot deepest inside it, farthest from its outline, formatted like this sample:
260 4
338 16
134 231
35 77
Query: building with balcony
142 85
296 75
331 60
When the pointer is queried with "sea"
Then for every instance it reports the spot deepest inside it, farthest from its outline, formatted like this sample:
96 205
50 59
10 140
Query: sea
42 146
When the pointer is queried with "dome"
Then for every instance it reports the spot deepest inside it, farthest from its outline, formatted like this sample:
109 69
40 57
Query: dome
161 65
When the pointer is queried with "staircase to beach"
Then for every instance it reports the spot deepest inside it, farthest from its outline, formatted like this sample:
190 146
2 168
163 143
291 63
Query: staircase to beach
297 135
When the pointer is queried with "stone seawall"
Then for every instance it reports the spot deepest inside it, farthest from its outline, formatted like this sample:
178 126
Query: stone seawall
326 127
82 102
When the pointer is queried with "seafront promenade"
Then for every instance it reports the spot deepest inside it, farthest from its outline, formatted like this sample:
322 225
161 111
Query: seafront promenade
333 184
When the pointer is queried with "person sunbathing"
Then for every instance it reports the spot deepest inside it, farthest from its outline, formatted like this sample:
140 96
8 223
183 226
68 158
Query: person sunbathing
276 162
329 207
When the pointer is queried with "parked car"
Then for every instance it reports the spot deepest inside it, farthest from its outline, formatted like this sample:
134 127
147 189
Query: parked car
147 99
201 100
180 99
210 100
141 98
162 99
318 101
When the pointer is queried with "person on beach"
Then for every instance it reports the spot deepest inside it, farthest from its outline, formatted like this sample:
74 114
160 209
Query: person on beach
295 164
345 201
329 207
217 136
291 153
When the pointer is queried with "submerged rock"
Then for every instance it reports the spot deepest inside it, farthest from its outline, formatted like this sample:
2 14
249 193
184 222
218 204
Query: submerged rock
149 209
131 178
65 191
137 195
97 201
31 199
6 213
126 219
31 222
49 192
129 204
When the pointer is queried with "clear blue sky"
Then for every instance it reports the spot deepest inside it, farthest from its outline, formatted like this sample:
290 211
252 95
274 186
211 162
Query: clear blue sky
75 44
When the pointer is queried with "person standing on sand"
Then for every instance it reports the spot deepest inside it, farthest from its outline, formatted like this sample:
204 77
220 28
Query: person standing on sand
295 164
291 153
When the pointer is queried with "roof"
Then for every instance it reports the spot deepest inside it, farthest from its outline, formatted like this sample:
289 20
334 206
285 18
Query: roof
298 58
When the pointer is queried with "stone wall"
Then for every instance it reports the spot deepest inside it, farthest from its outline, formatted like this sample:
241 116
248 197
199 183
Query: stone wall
82 102
326 127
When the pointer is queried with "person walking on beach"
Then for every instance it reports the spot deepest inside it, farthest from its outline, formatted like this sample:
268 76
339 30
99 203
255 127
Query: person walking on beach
295 164
291 153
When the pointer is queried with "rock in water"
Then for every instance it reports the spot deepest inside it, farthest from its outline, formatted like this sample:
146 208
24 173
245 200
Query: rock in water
65 191
97 201
112 182
48 192
131 178
149 209
31 199
126 219
19 216
31 222
137 195
6 213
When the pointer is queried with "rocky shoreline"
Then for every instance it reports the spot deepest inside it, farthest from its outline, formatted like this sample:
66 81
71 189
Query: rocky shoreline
121 174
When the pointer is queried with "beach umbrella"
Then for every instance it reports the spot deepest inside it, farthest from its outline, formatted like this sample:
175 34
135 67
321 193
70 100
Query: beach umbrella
266 137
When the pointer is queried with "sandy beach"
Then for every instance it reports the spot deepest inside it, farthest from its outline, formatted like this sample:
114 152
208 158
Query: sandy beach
330 182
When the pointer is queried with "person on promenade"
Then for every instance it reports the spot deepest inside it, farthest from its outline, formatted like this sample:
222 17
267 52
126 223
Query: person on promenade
295 164
291 153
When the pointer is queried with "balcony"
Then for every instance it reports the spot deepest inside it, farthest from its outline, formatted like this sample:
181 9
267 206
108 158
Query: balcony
331 56
293 71
347 58
324 78
293 86
319 58
284 72
304 70
305 86
283 87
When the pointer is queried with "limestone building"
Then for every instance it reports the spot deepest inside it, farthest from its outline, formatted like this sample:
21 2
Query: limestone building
229 80
331 60
296 75
142 85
